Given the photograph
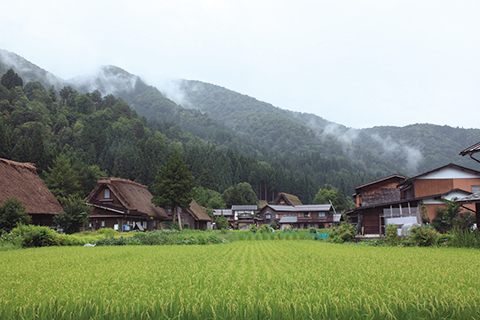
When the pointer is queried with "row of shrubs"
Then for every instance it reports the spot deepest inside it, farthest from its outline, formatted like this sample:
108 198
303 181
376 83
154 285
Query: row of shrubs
163 237
28 236
421 236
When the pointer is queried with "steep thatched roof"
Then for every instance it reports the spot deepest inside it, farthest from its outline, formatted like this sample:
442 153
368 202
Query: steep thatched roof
198 211
290 198
21 180
132 195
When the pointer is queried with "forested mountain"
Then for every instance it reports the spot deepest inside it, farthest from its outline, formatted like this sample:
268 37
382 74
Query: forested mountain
409 150
225 136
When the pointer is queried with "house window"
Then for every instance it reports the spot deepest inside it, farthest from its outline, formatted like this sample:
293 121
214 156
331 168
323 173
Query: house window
144 224
306 215
103 223
268 216
277 216
321 214
475 189
107 193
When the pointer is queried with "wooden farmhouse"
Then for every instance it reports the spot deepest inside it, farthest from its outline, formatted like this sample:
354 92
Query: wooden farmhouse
474 198
21 181
398 200
318 216
194 215
124 205
288 210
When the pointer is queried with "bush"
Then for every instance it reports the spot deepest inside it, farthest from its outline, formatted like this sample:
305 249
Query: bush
36 236
12 212
392 237
273 225
221 222
447 240
312 230
345 232
186 225
467 238
422 237
265 228
253 228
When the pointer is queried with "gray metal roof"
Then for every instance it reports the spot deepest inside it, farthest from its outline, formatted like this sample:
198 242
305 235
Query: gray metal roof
226 212
288 219
473 198
282 208
303 207
314 207
246 207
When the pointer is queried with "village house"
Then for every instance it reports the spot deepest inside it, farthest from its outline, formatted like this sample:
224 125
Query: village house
123 205
21 181
474 198
288 210
398 200
194 215
318 216
244 216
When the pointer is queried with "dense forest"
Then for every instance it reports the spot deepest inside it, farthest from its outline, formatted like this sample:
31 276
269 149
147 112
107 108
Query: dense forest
95 136
113 123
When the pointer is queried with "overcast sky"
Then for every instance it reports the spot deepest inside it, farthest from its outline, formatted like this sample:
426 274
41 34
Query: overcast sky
357 63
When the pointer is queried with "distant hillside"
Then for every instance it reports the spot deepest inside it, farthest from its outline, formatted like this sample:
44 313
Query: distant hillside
408 150
299 144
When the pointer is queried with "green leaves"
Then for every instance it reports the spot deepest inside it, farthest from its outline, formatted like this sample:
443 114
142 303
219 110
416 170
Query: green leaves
12 212
174 184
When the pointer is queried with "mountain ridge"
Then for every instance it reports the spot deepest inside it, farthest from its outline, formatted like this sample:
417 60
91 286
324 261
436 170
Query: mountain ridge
232 120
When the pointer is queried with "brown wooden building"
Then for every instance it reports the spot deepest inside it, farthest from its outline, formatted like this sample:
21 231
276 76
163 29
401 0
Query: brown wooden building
397 200
21 181
194 215
318 216
124 205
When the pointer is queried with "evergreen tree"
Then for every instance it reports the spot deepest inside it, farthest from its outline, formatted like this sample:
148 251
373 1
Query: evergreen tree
11 80
62 180
75 215
174 185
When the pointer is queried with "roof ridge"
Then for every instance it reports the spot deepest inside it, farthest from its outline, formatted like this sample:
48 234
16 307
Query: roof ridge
109 180
26 165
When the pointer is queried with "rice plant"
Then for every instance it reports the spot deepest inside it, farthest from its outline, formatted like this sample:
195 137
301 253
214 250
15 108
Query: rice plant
240 280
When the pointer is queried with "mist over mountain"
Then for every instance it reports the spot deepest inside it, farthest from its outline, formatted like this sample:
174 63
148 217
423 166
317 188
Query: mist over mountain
300 144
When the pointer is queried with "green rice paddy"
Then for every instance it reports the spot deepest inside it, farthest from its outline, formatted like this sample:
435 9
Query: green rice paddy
242 280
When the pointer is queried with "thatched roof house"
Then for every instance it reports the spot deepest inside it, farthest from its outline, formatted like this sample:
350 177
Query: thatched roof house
21 181
285 199
195 215
124 205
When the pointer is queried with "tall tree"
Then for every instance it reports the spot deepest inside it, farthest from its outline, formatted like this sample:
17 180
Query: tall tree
174 185
11 80
75 215
62 180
